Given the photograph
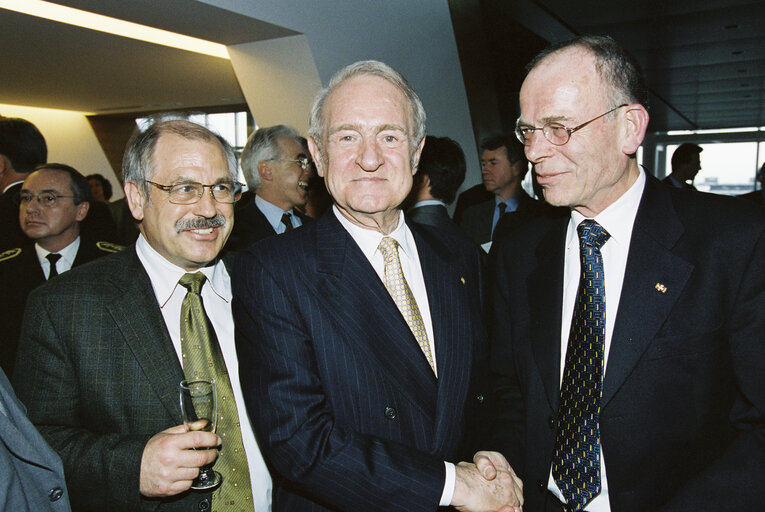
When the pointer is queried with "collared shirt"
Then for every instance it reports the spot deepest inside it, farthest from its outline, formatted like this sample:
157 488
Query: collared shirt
618 219
216 296
68 254
274 215
511 204
429 202
368 240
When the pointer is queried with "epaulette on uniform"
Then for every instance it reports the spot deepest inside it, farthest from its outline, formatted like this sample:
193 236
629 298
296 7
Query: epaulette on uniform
10 254
109 247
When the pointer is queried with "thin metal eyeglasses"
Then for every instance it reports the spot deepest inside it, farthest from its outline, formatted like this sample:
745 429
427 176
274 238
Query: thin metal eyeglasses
227 192
45 199
555 133
303 161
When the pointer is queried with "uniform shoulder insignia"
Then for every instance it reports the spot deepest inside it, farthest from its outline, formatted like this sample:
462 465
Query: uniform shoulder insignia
10 254
109 247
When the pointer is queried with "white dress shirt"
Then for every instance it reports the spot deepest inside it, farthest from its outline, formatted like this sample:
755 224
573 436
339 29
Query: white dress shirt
368 240
216 296
274 215
68 254
618 219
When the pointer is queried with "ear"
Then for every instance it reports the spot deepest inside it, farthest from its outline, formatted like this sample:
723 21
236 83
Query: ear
82 211
313 148
634 128
264 169
135 199
416 157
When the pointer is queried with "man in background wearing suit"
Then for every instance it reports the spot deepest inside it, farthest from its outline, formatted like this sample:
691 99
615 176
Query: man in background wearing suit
54 200
440 173
33 476
361 334
277 167
22 148
635 328
105 346
503 167
686 164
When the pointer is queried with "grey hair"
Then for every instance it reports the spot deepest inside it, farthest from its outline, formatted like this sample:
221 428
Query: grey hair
263 144
138 162
619 70
317 129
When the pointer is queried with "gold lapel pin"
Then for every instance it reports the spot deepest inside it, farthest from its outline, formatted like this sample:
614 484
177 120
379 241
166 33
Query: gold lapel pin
660 287
462 280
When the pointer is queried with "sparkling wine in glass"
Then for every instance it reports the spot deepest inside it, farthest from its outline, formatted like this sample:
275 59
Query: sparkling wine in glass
199 408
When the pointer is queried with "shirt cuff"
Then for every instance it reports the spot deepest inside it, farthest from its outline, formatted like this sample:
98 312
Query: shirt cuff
451 477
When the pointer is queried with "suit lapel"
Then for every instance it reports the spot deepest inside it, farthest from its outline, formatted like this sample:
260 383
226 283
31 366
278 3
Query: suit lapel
642 307
545 289
365 311
137 315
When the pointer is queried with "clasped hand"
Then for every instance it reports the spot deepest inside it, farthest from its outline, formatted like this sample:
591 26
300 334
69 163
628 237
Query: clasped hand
487 485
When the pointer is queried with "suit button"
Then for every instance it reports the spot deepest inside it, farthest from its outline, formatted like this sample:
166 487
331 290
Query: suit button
204 505
541 486
479 397
551 422
55 494
390 413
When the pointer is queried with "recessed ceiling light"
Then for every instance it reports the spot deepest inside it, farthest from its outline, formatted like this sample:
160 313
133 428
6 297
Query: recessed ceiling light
92 21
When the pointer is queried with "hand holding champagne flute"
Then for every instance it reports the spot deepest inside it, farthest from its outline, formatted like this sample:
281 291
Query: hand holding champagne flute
199 408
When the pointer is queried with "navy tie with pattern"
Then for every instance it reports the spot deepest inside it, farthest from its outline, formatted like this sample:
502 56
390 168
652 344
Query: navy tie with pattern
287 221
576 459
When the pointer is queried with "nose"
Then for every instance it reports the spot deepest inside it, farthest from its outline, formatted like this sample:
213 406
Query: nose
537 146
207 205
369 157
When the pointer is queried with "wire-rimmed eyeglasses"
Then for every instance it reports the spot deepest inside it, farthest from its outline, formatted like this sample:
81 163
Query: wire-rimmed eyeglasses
227 192
302 161
45 199
554 132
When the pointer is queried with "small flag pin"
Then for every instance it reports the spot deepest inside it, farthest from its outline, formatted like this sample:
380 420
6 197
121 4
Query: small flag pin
660 287
462 280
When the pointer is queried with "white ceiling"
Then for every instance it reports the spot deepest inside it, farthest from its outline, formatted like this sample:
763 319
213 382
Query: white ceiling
54 65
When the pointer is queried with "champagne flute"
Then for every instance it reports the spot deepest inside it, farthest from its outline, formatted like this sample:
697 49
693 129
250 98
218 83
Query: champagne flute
199 408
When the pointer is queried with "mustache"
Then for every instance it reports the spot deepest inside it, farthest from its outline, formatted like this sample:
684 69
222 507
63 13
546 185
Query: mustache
200 223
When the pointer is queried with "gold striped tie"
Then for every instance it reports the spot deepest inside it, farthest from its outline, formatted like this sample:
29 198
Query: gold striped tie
402 296
202 359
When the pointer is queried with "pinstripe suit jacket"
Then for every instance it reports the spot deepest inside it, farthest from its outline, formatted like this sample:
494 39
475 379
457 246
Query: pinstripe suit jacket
346 408
99 375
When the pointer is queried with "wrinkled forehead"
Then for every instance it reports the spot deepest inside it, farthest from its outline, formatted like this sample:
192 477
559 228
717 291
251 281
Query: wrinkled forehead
49 180
175 154
361 98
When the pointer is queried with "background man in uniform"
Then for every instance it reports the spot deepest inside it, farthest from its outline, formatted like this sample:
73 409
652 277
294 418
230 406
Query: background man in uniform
628 339
22 148
277 167
54 200
105 346
363 368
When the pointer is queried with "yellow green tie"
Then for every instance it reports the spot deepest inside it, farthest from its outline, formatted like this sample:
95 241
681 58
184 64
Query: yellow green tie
402 296
202 359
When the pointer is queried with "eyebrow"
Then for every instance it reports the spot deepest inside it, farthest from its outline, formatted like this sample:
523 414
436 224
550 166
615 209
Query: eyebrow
46 191
357 128
545 120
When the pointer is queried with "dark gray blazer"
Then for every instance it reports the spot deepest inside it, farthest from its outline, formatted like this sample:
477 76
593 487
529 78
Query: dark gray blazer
99 374
251 225
683 410
344 403
32 473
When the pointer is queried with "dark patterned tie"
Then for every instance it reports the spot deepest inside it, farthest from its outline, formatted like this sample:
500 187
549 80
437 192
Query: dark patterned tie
287 221
502 207
576 459
202 359
53 258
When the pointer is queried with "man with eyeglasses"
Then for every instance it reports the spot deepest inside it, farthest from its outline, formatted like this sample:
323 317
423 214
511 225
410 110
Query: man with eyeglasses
277 167
105 346
629 337
54 200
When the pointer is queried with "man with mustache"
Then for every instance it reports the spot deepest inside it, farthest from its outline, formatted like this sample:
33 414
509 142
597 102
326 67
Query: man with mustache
277 167
104 347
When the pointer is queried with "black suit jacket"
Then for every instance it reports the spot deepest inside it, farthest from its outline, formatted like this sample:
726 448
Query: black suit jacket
251 225
100 378
11 234
342 399
476 219
434 215
683 409
20 273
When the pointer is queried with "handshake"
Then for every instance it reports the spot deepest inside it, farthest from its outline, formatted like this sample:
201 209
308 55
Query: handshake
487 485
